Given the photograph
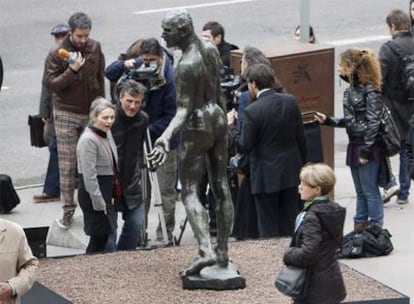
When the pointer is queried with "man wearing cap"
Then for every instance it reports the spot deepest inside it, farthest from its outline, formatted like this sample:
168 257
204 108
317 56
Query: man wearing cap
51 187
75 83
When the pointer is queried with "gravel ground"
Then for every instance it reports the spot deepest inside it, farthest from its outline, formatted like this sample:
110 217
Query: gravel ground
152 277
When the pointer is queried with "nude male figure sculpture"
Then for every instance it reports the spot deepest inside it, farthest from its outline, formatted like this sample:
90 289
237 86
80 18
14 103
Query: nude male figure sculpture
202 122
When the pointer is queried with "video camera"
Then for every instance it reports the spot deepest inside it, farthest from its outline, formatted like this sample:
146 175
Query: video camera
144 74
229 84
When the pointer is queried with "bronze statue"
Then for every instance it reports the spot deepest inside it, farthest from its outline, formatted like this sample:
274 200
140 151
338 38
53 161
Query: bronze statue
202 121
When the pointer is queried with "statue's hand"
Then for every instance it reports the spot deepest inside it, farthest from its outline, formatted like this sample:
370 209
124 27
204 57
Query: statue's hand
158 155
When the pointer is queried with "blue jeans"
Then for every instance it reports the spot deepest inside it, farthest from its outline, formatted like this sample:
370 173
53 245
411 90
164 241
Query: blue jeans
133 230
369 205
52 184
404 176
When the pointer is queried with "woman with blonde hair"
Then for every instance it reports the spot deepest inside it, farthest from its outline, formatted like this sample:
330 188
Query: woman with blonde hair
318 234
362 107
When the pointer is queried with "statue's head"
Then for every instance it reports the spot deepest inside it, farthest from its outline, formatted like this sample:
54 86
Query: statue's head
177 25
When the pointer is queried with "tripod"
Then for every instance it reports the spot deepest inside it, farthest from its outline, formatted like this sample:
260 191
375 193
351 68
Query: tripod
156 201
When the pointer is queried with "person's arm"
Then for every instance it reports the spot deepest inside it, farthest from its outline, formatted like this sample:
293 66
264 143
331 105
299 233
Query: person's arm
246 140
168 105
45 104
116 69
185 95
309 251
374 108
100 75
59 74
27 268
300 136
384 64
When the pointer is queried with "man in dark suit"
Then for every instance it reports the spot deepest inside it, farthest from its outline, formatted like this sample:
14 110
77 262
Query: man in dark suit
273 136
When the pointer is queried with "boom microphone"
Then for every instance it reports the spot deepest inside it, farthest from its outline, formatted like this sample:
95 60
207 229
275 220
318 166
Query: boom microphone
70 57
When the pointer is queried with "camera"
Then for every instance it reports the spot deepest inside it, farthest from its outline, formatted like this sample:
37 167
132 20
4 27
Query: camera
229 84
144 73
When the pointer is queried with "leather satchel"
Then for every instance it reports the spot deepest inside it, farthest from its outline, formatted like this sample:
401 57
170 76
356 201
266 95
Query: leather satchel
389 133
292 281
36 131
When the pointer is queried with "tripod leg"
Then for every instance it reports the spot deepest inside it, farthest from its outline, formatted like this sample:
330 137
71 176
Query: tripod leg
155 190
182 227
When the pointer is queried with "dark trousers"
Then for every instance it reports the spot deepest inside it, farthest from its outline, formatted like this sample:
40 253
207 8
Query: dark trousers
97 244
276 212
52 184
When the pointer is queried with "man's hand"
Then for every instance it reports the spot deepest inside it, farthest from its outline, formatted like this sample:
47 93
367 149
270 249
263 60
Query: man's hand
158 155
231 117
5 292
78 63
129 64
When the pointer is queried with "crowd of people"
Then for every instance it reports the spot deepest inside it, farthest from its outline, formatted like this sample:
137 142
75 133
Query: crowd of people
96 145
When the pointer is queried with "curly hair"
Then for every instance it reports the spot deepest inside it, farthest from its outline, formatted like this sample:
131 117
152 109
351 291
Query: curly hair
364 65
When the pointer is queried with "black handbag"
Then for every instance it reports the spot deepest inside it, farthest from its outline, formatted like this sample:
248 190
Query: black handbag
292 281
36 131
8 195
313 136
389 133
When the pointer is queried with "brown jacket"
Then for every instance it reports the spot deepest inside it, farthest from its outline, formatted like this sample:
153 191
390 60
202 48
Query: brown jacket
75 91
18 266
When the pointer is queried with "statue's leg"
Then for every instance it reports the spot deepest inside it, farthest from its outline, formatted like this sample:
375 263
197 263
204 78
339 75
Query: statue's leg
191 173
217 168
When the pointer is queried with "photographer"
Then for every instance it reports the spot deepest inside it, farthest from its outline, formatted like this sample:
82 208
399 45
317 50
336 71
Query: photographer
160 105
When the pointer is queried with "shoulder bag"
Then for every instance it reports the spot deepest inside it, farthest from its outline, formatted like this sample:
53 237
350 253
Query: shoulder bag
389 133
292 281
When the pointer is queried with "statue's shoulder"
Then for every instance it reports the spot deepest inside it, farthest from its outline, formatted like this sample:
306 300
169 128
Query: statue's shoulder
190 60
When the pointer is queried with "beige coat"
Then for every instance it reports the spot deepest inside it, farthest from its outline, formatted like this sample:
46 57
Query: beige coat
18 266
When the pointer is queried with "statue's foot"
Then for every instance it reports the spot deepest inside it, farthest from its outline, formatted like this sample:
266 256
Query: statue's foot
222 257
198 264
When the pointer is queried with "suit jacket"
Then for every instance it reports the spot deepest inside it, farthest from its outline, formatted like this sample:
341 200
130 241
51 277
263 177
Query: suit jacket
273 136
18 266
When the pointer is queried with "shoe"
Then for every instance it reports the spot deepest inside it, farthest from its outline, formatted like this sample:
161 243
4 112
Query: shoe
44 198
401 201
359 227
66 221
388 194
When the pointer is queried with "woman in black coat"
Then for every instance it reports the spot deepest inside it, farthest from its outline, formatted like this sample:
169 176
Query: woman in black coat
318 234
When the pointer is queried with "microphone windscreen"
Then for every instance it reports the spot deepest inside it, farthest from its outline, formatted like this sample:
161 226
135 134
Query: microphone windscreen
64 54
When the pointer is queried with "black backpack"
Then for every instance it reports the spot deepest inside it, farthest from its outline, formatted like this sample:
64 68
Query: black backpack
8 196
368 243
407 70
